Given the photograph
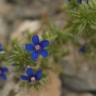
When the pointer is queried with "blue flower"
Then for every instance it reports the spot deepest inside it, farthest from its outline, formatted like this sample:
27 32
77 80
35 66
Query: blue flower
82 49
13 64
79 1
32 76
3 71
1 47
37 47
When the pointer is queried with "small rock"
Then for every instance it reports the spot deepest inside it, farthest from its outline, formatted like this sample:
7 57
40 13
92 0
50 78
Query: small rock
7 88
22 28
3 30
52 88
74 83
68 93
2 1
79 73
86 94
2 83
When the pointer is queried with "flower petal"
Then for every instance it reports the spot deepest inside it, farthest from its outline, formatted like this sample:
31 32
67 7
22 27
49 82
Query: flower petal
29 72
35 55
82 49
44 53
79 1
29 47
38 74
1 47
13 64
35 39
23 77
4 69
44 43
3 77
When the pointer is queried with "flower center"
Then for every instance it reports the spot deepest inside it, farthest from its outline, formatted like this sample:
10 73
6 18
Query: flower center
33 79
37 47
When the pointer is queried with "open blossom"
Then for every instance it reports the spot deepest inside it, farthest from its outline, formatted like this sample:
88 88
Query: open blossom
1 47
32 76
82 49
3 71
37 47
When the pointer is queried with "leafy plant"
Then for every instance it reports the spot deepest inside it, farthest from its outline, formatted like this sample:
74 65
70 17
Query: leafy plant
82 25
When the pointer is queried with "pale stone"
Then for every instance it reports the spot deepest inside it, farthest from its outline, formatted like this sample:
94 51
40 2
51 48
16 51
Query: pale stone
86 94
3 30
79 71
24 27
7 9
52 88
